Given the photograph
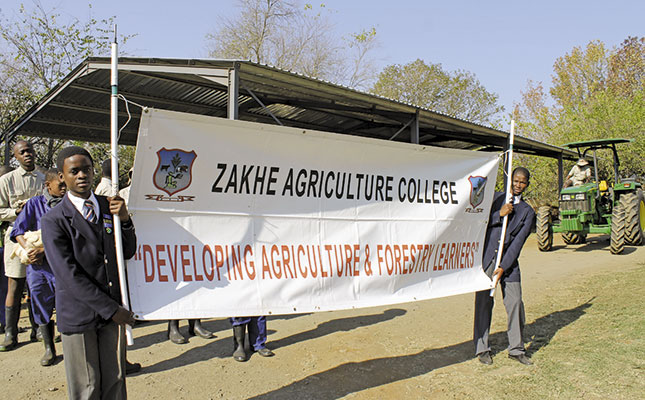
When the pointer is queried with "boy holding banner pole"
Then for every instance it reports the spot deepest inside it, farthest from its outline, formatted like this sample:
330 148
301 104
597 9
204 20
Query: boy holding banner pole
521 218
79 241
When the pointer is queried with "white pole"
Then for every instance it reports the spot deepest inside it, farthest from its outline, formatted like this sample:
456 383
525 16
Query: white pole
114 150
509 198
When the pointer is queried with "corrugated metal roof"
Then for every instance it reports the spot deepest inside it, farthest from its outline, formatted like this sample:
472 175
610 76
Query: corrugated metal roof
79 107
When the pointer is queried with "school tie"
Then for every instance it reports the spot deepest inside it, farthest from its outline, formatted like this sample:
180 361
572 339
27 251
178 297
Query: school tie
88 211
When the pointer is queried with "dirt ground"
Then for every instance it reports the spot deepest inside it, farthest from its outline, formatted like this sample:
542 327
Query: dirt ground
399 351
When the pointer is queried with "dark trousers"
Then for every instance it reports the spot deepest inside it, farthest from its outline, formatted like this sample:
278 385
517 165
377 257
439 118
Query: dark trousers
257 329
512 295
95 363
42 285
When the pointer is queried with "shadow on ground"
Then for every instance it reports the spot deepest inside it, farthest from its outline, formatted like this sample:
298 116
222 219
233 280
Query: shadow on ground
356 376
338 325
216 326
223 348
592 243
219 327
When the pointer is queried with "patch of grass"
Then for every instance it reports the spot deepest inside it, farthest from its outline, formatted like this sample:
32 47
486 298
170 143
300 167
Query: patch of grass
587 342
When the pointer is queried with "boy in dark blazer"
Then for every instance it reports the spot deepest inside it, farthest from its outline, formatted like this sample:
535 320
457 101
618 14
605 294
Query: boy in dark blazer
79 244
521 219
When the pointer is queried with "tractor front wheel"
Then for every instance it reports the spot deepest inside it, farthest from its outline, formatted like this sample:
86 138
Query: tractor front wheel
544 229
573 238
634 205
617 239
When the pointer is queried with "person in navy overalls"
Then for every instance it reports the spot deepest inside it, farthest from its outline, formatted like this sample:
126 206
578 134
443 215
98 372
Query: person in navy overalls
257 336
40 277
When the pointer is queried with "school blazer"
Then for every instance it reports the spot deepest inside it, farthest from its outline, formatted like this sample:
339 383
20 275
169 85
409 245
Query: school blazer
519 226
83 259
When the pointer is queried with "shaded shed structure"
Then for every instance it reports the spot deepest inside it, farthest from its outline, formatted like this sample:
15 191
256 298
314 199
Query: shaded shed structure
78 107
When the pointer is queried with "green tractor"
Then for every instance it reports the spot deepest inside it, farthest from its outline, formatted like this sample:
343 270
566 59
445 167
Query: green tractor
596 207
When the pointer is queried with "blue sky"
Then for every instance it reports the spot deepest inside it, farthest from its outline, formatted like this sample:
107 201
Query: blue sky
504 43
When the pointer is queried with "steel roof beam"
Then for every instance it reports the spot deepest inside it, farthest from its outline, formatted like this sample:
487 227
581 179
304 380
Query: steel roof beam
182 69
97 110
80 125
143 98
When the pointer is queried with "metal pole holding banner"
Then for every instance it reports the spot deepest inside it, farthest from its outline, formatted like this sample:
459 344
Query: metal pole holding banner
509 198
114 152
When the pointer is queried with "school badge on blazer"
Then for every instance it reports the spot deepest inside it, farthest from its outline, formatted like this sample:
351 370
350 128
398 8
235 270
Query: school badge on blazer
174 173
107 223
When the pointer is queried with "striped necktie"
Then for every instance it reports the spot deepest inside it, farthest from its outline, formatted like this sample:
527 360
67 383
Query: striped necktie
88 211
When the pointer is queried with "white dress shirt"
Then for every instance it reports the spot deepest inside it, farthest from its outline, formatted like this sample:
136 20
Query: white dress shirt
79 203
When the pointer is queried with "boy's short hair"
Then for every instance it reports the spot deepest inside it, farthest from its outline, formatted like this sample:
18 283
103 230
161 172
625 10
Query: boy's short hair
51 174
523 171
71 151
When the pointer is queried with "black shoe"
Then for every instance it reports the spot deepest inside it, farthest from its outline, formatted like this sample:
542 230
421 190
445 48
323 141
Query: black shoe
521 358
195 328
485 358
239 354
132 368
174 334
264 352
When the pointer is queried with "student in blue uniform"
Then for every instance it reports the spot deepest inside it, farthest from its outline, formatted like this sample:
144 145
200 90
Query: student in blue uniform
521 218
257 336
40 277
78 235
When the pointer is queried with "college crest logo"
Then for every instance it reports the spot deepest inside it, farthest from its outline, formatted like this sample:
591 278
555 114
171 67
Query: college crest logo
174 171
477 188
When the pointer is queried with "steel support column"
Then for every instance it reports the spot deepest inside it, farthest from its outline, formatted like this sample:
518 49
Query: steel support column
7 149
233 92
560 173
414 129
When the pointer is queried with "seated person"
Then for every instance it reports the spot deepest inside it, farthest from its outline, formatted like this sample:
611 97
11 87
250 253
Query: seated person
579 174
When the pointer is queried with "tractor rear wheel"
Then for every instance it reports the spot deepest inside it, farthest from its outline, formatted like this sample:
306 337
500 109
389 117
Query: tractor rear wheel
573 238
617 239
544 229
634 205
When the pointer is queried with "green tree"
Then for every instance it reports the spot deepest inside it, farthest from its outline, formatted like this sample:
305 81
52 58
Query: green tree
457 93
597 93
579 75
39 48
626 75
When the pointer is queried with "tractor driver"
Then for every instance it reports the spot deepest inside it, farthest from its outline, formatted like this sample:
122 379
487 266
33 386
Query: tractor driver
579 174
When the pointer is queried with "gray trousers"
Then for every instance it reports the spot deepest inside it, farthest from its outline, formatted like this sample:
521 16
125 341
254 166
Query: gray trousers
512 295
95 363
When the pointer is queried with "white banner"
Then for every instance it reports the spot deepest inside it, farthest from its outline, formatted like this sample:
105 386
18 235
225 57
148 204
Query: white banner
236 218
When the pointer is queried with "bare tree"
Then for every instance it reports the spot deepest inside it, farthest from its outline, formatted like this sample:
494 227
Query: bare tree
295 37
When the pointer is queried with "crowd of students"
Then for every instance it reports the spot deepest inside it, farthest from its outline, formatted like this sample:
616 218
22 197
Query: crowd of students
58 243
